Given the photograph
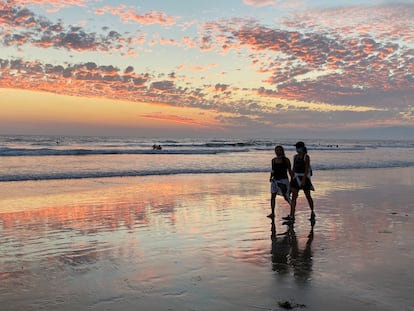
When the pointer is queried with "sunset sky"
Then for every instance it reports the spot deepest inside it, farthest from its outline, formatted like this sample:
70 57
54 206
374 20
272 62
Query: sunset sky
219 68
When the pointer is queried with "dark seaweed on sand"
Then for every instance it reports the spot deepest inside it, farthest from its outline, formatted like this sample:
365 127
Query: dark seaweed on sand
290 305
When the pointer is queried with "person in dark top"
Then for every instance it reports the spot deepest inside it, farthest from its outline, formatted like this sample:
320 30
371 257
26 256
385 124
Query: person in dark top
301 180
279 178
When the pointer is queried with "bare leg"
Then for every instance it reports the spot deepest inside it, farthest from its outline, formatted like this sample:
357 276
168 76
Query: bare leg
295 193
287 198
310 202
272 205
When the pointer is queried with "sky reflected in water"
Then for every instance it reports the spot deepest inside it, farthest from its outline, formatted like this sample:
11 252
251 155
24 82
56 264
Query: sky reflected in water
191 241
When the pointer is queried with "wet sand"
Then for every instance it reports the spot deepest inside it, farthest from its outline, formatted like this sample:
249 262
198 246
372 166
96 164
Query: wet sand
203 242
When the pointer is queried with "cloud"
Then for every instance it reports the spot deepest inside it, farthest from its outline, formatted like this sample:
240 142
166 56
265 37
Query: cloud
316 106
391 22
163 85
221 87
320 66
92 80
51 5
196 68
86 79
175 119
23 27
259 3
129 15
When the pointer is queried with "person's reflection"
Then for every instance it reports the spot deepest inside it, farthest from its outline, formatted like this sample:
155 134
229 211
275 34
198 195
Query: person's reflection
301 259
287 256
280 250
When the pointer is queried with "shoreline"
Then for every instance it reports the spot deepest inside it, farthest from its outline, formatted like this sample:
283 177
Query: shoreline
182 172
31 187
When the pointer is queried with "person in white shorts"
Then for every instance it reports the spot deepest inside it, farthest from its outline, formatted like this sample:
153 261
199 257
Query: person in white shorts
279 180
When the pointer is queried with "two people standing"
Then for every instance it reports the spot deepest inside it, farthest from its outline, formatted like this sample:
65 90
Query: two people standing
299 179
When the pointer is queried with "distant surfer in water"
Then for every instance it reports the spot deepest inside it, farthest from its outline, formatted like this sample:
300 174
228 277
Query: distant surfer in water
156 147
279 178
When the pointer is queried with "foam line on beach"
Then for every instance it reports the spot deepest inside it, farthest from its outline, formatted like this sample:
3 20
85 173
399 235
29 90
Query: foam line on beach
189 171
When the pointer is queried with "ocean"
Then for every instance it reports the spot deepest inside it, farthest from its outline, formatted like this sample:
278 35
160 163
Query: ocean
25 158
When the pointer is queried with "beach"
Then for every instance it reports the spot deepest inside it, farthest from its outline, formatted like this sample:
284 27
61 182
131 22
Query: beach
203 242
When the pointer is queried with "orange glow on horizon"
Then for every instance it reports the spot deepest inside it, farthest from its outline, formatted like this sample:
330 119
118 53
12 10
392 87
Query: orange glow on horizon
43 108
175 119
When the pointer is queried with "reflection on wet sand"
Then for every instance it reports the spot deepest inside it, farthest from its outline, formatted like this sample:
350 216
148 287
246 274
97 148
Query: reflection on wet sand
124 223
135 238
187 242
288 257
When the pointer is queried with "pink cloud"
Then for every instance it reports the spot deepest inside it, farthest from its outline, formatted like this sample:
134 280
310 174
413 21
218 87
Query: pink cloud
197 124
172 118
196 68
388 22
164 41
154 17
51 5
23 27
259 3
128 15
323 66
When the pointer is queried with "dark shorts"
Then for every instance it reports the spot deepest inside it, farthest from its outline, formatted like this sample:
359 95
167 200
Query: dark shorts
295 184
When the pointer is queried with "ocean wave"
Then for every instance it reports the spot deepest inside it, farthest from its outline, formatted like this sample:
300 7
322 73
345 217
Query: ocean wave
106 174
15 152
190 171
205 148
